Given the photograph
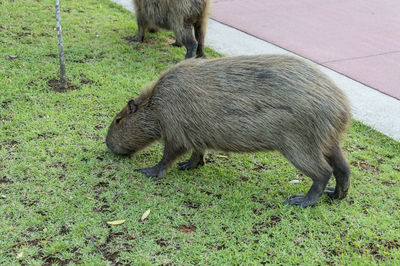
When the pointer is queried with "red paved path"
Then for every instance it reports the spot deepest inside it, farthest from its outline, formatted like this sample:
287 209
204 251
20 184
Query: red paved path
358 38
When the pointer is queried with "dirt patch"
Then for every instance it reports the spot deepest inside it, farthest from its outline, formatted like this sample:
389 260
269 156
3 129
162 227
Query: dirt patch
5 104
260 167
59 165
113 240
192 205
101 209
186 229
99 186
391 244
274 220
244 179
257 211
370 249
366 166
112 236
388 183
102 205
53 260
55 85
108 255
32 242
258 200
162 242
5 180
260 227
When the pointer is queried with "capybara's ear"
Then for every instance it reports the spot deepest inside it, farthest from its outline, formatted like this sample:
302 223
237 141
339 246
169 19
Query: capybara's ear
132 106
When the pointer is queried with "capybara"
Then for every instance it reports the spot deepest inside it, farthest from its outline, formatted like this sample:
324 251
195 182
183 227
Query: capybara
180 16
242 104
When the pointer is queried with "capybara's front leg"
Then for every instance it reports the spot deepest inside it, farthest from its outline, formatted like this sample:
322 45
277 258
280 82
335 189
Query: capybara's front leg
171 153
142 27
188 40
197 159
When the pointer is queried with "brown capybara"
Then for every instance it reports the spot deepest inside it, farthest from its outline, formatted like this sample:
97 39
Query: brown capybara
242 104
180 16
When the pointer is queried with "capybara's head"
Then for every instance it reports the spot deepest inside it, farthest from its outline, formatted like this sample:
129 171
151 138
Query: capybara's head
126 134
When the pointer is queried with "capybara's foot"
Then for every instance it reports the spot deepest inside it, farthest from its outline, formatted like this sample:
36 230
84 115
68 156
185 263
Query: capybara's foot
301 201
154 171
186 165
202 56
331 192
191 50
136 39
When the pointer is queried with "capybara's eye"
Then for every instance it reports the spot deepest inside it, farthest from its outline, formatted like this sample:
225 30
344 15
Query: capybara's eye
117 120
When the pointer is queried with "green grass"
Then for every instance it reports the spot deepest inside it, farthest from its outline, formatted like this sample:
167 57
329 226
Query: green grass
59 185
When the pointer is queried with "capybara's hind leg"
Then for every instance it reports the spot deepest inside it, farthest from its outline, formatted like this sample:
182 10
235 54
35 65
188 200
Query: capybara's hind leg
171 153
197 159
341 171
188 40
314 166
199 32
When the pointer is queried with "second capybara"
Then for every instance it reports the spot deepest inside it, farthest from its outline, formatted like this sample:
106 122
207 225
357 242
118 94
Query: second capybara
242 104
180 16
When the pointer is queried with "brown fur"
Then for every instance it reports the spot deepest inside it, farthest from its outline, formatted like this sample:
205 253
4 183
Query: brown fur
180 16
241 104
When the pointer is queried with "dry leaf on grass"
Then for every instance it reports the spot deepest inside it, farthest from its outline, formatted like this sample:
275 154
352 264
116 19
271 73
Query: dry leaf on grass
145 214
117 222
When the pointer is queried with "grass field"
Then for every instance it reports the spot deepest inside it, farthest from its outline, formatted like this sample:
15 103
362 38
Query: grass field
59 185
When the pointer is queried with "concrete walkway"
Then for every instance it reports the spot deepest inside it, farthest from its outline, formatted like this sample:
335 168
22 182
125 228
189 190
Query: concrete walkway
373 108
